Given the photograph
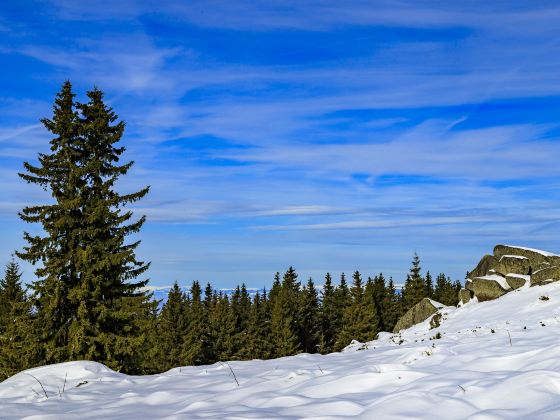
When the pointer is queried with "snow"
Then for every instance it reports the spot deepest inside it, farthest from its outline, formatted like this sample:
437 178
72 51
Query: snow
525 277
538 251
497 278
519 257
471 372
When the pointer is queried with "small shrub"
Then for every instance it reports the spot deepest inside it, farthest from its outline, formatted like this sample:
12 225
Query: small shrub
544 298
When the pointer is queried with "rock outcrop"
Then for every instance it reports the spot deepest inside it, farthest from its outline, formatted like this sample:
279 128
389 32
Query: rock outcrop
509 268
418 313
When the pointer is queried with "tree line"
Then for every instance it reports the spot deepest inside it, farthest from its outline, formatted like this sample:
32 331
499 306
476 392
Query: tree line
199 326
87 302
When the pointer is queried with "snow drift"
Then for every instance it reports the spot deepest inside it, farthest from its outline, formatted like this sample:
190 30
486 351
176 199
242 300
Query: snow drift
495 359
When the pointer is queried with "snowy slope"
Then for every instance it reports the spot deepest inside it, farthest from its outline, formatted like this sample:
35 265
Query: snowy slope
471 372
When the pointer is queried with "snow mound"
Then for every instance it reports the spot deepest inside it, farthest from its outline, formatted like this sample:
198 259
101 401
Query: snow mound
492 360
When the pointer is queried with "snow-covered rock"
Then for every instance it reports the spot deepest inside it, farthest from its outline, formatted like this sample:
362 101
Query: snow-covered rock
489 360
511 267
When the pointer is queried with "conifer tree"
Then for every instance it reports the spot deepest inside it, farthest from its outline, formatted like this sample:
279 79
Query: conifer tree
429 285
241 306
360 317
196 345
415 288
85 297
310 322
172 324
445 291
223 329
379 296
391 311
275 290
59 173
258 345
330 318
16 353
107 297
285 317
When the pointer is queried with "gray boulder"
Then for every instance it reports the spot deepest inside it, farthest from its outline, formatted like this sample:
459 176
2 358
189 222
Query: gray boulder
487 263
531 254
508 269
516 264
516 281
545 275
418 313
465 295
488 287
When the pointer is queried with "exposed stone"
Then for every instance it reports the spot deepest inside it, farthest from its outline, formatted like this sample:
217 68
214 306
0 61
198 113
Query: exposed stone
513 264
487 263
465 295
533 255
510 268
435 321
545 275
516 281
418 313
488 287
539 266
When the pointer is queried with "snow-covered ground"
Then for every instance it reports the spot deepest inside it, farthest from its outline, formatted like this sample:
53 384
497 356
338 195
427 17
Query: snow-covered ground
497 359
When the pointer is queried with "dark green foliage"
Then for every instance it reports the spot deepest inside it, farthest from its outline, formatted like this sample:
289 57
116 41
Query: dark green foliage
197 349
285 317
310 326
259 344
429 285
15 321
87 302
415 287
445 291
57 251
330 317
360 320
391 307
223 329
171 327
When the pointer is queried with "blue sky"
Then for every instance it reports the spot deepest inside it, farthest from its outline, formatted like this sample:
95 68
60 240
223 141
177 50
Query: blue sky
327 135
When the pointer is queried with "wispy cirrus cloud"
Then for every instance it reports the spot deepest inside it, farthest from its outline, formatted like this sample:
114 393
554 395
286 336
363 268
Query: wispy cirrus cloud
324 134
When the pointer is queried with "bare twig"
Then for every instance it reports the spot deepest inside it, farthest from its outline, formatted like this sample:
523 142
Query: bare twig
64 386
232 372
320 369
462 388
509 338
39 384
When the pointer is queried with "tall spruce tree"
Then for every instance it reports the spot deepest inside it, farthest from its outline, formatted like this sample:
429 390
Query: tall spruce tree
58 172
86 299
107 297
